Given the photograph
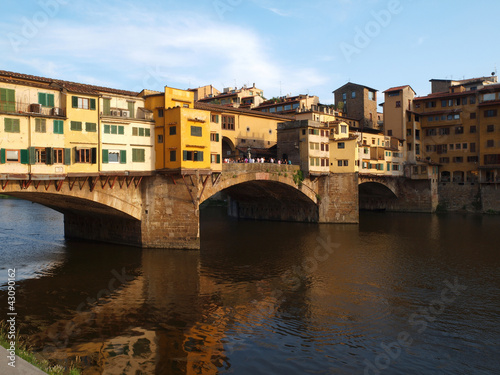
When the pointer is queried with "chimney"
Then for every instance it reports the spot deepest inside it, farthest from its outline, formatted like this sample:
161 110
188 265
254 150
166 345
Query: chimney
254 85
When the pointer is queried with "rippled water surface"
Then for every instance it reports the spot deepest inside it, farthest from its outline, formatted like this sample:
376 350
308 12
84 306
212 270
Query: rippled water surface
396 294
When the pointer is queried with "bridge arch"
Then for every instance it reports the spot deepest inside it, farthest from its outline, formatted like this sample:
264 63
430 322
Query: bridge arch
376 195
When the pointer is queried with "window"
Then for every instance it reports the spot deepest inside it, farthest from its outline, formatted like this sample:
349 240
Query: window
131 108
106 106
464 146
398 104
214 118
11 155
11 125
83 155
490 143
451 146
408 132
82 103
141 132
472 159
472 100
430 104
138 155
173 155
46 100
58 156
344 96
490 128
113 156
444 103
214 137
341 145
7 100
160 112
295 106
228 122
40 155
444 131
75 126
417 148
394 93
371 95
490 113
215 159
58 127
458 159
90 126
192 155
389 133
458 146
159 138
353 94
473 129
40 125
196 131
408 146
487 97
173 130
431 132
442 149
444 160
459 129
492 159
430 118
472 115
339 163
288 107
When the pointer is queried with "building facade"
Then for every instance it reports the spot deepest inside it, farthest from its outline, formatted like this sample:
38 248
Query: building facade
358 102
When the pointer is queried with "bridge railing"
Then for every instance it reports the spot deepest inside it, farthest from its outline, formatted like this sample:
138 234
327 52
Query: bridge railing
259 167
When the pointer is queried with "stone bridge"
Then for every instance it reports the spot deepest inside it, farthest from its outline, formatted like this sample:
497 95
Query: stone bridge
161 210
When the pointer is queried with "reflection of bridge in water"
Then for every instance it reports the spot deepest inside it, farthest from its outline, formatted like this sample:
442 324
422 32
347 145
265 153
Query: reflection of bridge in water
162 210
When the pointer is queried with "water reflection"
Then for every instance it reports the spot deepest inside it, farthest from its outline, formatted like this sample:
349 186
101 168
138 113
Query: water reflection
264 298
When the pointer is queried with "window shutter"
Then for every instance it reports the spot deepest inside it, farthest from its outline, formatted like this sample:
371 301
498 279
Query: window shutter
8 125
67 156
217 137
32 155
49 156
104 156
75 153
24 157
200 155
74 100
50 100
218 159
92 104
123 156
184 155
93 156
2 156
121 130
42 99
106 104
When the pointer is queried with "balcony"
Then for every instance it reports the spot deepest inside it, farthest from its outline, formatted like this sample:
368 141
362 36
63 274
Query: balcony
33 109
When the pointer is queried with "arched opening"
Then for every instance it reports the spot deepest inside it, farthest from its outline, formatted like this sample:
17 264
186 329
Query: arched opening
458 176
445 176
228 149
374 196
265 200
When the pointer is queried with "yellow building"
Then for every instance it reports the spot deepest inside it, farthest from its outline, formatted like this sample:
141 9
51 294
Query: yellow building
344 153
182 132
489 133
244 130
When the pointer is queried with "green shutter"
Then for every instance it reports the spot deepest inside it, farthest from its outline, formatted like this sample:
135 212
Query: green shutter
74 101
7 100
24 156
93 156
67 156
50 100
92 104
32 155
200 156
184 155
123 156
2 156
42 99
8 125
15 126
49 156
147 132
106 107
217 137
121 130
106 129
131 108
218 159
75 153
104 156
58 127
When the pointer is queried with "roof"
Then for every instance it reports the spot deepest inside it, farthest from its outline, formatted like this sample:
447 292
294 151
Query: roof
462 81
399 88
445 94
222 108
68 85
492 87
355 84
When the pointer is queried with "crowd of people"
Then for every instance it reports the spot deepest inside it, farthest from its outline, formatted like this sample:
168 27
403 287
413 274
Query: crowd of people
257 160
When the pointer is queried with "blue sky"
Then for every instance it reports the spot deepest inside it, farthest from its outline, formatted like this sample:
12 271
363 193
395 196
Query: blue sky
284 47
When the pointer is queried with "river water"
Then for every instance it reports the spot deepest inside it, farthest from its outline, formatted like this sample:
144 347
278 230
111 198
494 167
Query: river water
396 294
